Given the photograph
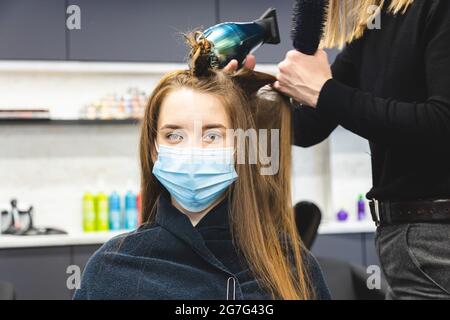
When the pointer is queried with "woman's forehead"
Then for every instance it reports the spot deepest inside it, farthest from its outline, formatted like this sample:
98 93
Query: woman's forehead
185 106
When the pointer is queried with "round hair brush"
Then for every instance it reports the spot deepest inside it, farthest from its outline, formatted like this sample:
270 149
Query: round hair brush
308 20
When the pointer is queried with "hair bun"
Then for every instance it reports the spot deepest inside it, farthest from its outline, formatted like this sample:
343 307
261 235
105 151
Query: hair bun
200 54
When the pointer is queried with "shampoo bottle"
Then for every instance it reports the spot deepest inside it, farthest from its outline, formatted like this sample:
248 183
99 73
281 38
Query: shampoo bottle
115 214
88 212
102 219
130 211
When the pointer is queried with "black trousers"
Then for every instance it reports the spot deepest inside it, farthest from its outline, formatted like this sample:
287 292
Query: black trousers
415 259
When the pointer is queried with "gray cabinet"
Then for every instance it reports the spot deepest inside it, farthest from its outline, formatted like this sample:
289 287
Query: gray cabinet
137 30
41 273
80 256
36 273
370 250
126 30
345 247
358 248
31 29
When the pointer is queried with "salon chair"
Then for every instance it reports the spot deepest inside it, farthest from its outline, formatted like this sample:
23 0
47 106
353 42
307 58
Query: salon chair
307 218
345 281
7 291
349 282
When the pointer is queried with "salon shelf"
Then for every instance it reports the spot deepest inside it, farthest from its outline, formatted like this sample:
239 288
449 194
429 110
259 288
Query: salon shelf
71 239
69 122
152 68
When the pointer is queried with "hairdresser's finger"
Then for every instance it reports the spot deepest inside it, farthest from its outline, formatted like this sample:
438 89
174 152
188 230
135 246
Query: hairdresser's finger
277 86
280 88
250 62
231 66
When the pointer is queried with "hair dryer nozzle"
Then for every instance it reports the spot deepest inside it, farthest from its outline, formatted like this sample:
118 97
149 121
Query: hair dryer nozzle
269 23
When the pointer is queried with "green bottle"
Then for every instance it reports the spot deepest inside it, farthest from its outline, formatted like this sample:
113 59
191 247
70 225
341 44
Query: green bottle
102 212
88 212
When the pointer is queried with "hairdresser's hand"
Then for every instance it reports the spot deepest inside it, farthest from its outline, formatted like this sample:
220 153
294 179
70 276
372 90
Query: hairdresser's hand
302 77
250 63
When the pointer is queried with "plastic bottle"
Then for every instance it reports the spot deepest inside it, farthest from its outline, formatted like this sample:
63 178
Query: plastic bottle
130 211
115 214
139 208
101 217
88 204
361 208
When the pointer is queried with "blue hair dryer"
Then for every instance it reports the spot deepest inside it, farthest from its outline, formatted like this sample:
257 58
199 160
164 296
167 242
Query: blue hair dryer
235 40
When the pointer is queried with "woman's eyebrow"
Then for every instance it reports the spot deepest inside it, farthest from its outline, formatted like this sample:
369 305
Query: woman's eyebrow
170 126
214 126
205 127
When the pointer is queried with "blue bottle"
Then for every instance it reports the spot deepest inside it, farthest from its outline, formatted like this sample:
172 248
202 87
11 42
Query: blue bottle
115 215
131 214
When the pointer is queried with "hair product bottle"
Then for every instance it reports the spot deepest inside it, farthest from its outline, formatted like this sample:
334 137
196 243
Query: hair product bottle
130 211
102 219
115 214
361 208
88 212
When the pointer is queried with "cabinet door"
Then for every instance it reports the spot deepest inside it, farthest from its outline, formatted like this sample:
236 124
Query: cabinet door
81 255
137 30
31 29
345 247
371 252
36 273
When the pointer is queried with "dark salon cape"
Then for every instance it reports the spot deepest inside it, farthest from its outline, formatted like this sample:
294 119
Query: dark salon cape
172 259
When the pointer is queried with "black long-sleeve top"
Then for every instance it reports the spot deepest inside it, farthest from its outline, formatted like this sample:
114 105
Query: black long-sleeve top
392 87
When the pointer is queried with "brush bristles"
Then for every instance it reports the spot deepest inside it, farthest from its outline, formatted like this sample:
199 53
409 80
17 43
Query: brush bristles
308 22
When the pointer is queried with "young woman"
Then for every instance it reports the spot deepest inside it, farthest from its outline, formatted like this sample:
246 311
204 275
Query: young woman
216 228
390 85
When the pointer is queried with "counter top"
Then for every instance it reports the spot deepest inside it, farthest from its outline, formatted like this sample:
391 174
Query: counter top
73 239
336 227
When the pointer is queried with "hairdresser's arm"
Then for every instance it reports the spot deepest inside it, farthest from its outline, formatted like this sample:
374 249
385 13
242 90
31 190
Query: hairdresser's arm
311 126
396 122
378 119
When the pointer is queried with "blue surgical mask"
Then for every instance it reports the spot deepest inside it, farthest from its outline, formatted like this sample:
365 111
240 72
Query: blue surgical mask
195 177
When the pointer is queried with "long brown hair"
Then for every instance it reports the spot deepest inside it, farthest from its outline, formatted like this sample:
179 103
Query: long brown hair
348 19
261 214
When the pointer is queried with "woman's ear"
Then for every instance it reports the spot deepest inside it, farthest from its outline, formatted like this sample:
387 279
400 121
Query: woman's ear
251 81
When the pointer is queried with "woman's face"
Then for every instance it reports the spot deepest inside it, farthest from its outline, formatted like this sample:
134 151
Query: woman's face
191 119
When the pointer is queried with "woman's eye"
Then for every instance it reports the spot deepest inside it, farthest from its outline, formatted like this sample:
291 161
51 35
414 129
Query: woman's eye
173 137
212 137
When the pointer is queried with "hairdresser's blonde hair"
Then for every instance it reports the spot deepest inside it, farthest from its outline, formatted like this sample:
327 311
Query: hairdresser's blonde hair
348 19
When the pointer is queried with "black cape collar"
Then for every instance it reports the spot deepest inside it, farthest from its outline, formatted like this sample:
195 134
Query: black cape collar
177 223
